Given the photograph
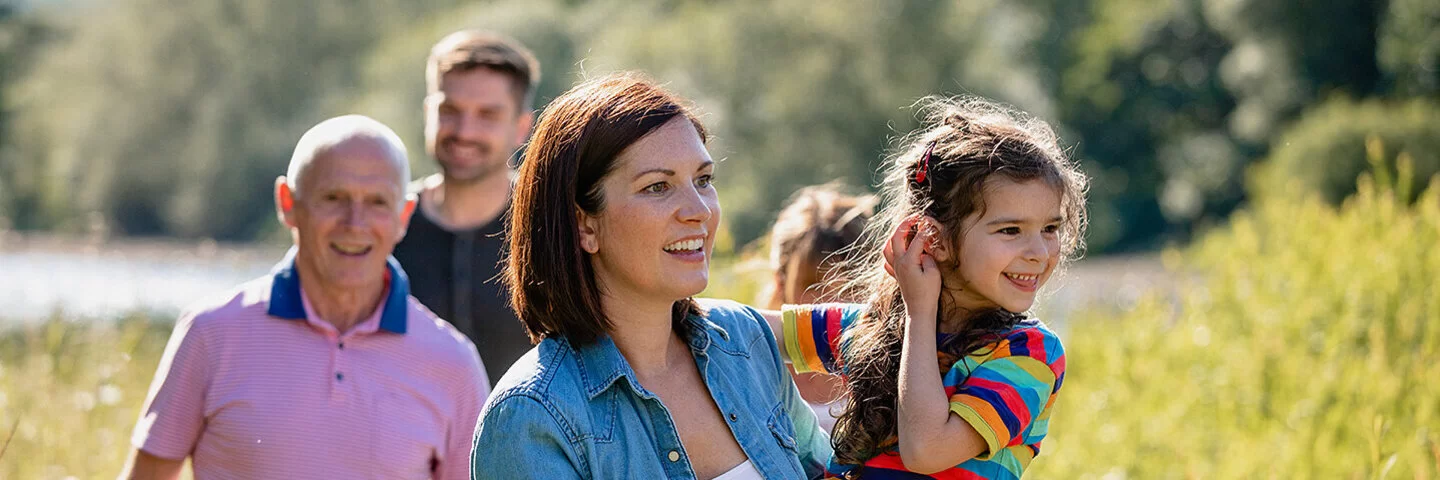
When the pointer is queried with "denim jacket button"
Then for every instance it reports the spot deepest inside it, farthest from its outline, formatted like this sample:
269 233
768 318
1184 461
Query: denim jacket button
733 417
674 456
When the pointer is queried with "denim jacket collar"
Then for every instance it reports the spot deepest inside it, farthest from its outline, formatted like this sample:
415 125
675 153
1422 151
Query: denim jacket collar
601 364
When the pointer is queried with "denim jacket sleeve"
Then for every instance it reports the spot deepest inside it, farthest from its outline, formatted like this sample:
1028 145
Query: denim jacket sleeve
812 443
517 437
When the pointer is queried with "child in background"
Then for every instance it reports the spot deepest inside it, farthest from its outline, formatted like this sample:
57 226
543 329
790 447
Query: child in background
808 242
981 208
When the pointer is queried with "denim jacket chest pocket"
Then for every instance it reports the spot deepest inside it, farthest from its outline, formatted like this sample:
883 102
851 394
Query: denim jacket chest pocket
743 381
782 428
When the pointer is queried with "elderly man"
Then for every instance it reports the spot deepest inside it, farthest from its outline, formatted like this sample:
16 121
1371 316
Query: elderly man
327 367
479 88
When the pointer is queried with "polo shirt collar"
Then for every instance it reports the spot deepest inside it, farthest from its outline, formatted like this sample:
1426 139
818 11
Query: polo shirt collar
287 302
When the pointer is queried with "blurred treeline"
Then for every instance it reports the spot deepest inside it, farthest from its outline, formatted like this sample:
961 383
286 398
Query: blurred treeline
171 117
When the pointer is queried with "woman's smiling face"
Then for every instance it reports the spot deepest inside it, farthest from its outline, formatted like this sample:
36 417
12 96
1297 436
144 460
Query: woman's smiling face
652 238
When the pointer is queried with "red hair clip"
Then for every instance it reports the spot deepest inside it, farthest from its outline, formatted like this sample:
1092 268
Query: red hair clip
924 170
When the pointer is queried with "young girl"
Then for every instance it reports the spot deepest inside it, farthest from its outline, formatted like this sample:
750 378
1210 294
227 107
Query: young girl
812 236
981 209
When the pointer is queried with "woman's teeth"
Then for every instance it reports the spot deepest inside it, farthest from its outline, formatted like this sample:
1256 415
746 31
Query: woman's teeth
1022 278
685 245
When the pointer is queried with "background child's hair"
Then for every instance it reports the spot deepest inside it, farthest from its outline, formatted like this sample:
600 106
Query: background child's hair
971 140
812 235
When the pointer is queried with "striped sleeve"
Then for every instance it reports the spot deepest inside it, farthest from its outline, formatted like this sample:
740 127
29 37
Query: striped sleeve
813 334
174 413
1011 390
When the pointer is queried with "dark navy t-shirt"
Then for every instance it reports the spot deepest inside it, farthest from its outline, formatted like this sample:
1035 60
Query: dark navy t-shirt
456 275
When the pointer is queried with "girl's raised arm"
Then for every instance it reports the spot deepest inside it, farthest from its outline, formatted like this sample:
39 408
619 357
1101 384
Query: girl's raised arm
931 438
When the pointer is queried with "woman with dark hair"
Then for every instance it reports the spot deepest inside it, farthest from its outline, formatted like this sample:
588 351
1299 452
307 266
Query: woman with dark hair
610 236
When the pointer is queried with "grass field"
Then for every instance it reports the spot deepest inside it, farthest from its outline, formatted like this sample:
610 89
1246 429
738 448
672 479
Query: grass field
1301 341
1307 348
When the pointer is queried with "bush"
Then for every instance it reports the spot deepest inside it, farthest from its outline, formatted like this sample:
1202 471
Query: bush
1303 346
1326 149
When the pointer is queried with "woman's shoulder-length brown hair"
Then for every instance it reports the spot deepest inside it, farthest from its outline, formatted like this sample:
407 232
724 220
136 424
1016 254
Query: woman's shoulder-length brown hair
551 279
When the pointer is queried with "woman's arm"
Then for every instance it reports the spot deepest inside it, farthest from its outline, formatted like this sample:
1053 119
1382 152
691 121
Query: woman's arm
777 328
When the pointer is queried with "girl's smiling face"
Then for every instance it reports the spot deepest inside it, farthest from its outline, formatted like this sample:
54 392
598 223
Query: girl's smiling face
1009 249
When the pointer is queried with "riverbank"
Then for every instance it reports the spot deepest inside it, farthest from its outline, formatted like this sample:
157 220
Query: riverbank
79 277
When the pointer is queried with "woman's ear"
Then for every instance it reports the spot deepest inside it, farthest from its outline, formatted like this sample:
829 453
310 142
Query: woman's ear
589 229
938 243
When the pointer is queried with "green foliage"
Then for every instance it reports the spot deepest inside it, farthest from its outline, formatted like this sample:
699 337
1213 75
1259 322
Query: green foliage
21 38
172 117
1329 146
1303 347
1284 58
1139 85
1409 48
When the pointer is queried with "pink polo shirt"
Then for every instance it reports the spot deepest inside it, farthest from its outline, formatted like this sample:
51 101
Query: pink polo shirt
256 386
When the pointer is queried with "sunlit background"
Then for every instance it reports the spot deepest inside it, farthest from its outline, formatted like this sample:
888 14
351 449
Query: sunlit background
1260 297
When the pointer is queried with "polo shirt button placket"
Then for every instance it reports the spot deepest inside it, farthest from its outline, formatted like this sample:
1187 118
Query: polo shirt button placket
341 387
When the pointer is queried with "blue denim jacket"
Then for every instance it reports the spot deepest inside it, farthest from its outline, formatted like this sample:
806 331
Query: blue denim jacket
579 412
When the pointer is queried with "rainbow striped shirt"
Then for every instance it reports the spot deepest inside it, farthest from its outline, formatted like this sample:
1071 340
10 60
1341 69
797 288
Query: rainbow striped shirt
1005 390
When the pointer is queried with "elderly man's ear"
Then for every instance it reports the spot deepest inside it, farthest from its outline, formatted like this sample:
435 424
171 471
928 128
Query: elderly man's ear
284 202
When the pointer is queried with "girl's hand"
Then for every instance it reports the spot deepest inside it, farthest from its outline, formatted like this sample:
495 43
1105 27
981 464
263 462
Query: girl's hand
908 259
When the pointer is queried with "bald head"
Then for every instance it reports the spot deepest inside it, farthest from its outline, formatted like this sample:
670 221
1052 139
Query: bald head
344 203
344 132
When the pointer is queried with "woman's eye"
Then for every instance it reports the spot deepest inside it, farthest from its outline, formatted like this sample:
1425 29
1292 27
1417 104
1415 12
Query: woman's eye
658 187
1052 228
705 181
1010 230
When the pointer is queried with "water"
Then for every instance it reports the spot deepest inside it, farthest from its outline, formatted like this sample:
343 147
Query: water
38 280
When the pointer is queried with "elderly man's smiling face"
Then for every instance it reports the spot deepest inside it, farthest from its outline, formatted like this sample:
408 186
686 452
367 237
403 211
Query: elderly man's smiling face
347 212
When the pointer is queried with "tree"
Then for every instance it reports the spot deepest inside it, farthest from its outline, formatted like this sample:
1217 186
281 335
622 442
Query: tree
22 35
183 130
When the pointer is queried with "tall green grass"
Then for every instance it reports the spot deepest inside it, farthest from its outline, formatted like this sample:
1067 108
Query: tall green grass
1305 345
71 390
